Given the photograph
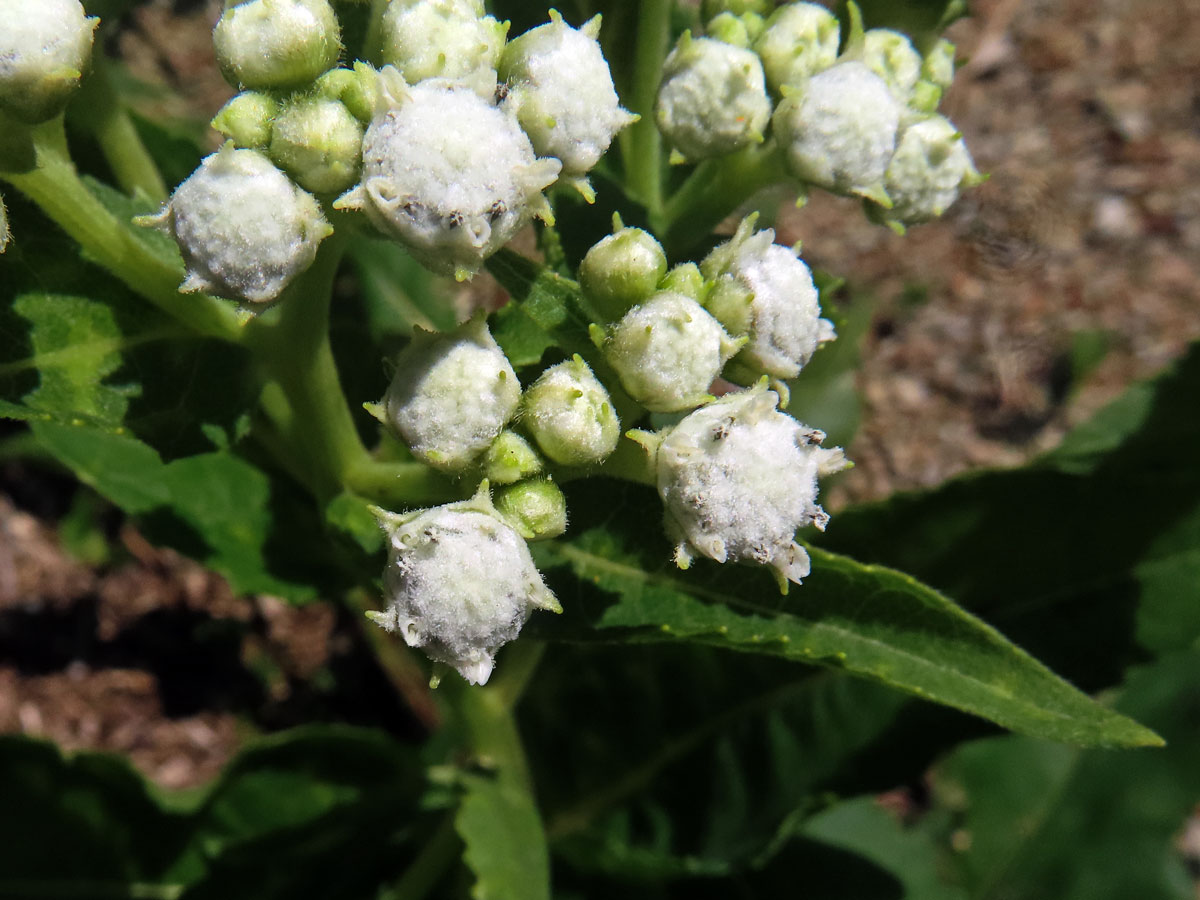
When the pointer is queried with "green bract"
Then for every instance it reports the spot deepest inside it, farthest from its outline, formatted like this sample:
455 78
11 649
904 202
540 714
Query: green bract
45 47
264 44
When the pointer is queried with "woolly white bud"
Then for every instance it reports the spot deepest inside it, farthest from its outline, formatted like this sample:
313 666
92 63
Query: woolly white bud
764 290
449 39
738 478
244 229
800 40
569 413
263 44
45 47
451 175
451 395
839 129
668 351
931 165
892 56
459 584
563 92
713 98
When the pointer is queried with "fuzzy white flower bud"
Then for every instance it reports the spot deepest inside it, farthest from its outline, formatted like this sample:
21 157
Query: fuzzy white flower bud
263 44
562 89
839 129
45 47
244 229
929 169
319 143
459 584
713 98
738 478
448 173
667 352
569 413
450 39
764 290
892 56
451 394
800 40
938 66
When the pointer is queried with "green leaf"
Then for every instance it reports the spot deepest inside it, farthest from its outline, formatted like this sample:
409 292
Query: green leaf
869 620
1040 821
922 20
545 311
505 843
399 294
1073 553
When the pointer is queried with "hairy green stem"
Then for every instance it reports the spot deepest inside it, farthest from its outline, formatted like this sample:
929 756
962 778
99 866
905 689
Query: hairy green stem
644 161
55 186
101 111
714 191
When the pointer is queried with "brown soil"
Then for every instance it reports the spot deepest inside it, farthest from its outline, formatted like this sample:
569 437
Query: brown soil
1087 115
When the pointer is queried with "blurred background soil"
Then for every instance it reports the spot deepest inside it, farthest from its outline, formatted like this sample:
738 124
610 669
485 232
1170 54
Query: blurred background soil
1073 272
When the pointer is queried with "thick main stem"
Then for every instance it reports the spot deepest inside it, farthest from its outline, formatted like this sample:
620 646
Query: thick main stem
644 162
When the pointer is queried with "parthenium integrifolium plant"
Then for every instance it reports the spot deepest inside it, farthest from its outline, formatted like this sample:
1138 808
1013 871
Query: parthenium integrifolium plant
451 136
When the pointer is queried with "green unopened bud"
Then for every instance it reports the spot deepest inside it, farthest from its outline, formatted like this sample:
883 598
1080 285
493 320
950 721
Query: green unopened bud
729 29
710 9
685 279
357 88
45 47
891 56
319 143
569 413
622 270
938 67
263 44
800 40
713 98
536 509
510 458
246 119
668 351
449 39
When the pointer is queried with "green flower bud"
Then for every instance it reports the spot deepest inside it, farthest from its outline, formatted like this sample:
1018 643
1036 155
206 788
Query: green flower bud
357 88
569 413
729 29
710 9
712 99
459 583
800 40
685 279
738 478
839 129
621 270
929 169
264 44
246 119
448 173
451 394
45 47
668 351
510 458
891 56
763 290
243 228
938 66
319 143
562 90
536 509
449 39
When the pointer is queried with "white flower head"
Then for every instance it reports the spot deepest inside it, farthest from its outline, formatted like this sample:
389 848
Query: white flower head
449 39
838 130
451 395
45 47
244 229
668 351
765 290
459 583
448 173
713 98
738 478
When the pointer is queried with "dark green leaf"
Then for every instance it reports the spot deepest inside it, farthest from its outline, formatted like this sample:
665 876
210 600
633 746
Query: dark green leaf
868 620
505 843
545 311
398 292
